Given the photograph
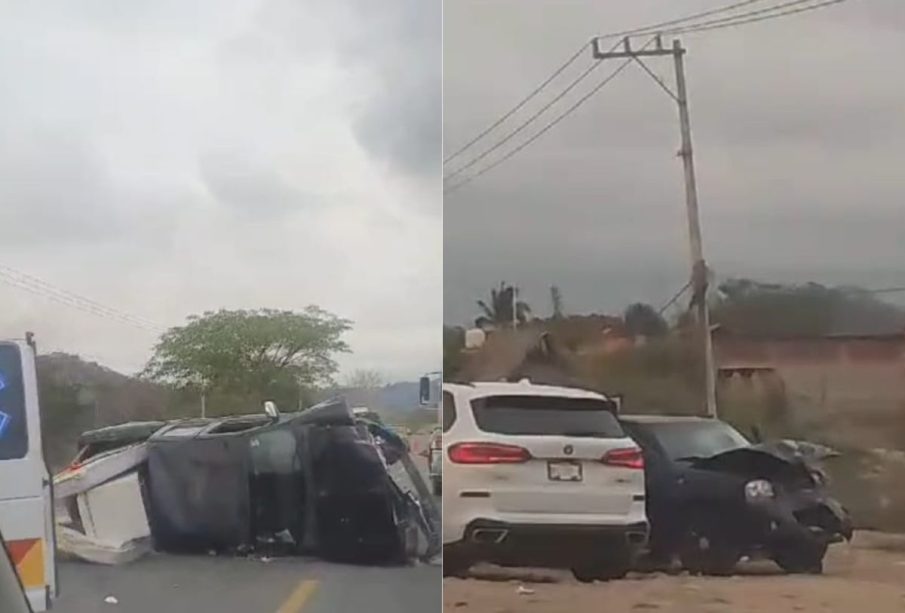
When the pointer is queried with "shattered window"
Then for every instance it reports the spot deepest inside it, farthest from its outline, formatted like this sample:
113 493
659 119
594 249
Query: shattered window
547 415
13 418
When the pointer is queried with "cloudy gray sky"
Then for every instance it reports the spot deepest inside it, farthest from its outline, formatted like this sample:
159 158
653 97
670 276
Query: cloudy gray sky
166 158
798 128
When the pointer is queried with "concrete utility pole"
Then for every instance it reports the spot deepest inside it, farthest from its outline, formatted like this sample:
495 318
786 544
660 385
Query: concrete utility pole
699 273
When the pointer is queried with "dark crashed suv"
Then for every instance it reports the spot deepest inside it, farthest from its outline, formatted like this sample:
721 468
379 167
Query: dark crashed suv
713 497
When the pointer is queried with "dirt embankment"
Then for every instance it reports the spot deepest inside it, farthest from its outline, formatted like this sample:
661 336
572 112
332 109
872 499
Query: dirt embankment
868 576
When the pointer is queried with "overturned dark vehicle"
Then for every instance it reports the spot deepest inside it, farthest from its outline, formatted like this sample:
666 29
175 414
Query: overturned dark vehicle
714 498
317 482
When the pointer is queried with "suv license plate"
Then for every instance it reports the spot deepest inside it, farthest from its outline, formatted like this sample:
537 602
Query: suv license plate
564 471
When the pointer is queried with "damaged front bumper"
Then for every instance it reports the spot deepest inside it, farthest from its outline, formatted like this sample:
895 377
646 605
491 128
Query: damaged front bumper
802 518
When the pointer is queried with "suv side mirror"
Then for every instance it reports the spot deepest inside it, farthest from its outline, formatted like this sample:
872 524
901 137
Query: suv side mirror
424 391
271 410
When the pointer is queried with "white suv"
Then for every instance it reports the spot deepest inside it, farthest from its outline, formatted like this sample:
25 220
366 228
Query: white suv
539 476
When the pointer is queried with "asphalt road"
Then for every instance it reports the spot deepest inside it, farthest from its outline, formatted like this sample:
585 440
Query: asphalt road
188 584
163 583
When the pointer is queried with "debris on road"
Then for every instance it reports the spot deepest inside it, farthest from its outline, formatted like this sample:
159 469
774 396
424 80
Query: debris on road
315 482
111 600
524 591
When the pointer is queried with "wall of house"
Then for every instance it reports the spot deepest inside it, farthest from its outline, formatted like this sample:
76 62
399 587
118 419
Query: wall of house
851 391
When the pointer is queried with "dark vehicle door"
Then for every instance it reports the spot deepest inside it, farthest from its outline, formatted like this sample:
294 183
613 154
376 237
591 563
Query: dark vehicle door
663 480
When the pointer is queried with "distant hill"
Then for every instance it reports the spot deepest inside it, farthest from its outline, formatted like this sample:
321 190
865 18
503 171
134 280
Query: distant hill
402 396
79 395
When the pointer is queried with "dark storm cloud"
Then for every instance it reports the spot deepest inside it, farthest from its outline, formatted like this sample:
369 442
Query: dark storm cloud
393 48
797 128
139 141
402 121
402 126
251 187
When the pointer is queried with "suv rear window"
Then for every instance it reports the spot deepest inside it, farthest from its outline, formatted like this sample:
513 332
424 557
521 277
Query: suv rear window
547 415
13 426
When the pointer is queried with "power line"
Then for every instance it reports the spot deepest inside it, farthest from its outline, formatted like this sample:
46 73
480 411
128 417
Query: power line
673 300
575 82
658 27
24 281
71 300
72 296
522 103
577 54
735 20
753 16
546 128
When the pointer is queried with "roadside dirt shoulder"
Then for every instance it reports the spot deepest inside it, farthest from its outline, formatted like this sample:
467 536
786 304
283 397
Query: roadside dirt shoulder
866 575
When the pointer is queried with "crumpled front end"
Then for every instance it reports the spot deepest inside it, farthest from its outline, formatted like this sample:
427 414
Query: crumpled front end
804 517
786 498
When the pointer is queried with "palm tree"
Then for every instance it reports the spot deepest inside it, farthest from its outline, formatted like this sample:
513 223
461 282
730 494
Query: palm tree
499 311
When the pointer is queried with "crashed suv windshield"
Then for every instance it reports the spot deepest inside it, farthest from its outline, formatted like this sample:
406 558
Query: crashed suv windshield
694 440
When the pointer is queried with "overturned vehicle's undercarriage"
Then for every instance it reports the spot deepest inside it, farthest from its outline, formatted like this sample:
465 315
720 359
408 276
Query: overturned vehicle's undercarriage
318 482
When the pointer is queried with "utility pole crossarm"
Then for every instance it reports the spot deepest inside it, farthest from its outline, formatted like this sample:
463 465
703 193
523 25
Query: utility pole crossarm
627 52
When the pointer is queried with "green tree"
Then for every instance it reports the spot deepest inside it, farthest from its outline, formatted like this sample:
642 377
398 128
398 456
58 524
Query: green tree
259 354
643 320
498 311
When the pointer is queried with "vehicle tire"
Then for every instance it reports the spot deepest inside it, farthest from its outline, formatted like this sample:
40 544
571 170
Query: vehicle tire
709 554
801 560
610 568
585 574
455 564
600 572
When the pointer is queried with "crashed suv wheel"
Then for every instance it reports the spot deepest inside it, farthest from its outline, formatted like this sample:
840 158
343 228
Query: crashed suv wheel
801 559
709 555
455 564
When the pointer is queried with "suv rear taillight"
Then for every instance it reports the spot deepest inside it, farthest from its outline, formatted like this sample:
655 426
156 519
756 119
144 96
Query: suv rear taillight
629 457
487 453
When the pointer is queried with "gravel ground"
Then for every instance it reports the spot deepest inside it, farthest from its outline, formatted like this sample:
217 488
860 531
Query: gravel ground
867 575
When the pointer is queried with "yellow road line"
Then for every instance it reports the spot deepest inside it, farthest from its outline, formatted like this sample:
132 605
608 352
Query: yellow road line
299 597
